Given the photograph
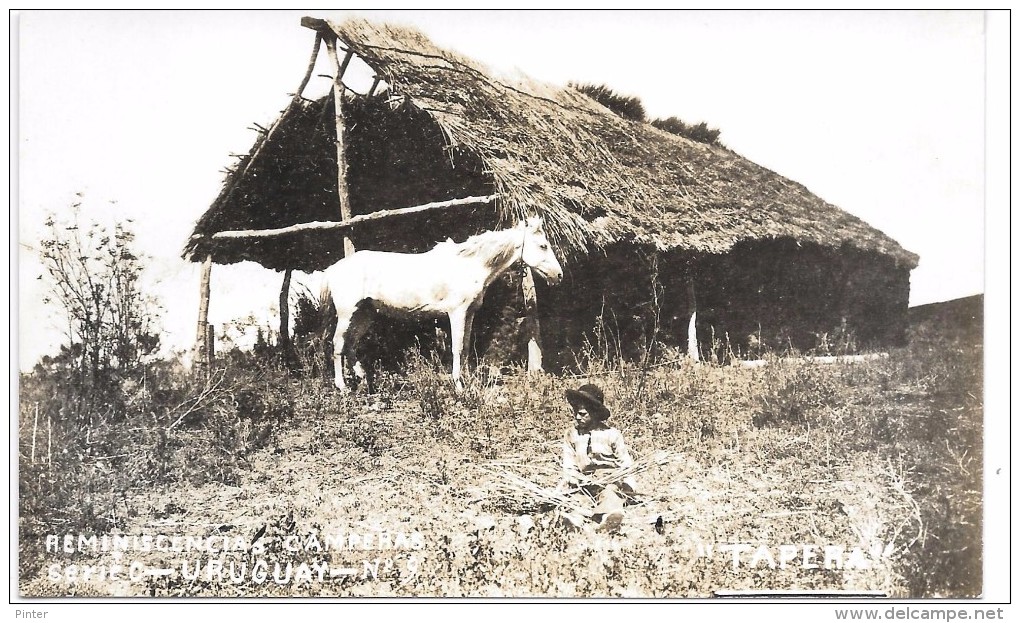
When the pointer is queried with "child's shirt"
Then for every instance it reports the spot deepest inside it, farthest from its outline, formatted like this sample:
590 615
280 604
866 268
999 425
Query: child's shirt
601 448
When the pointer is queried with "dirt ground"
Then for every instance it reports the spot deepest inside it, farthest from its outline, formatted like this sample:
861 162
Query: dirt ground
315 514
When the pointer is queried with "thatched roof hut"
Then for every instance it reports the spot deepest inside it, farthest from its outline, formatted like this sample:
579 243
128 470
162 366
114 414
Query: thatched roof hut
443 127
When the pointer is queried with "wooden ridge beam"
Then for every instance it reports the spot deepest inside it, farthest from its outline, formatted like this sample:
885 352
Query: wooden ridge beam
319 25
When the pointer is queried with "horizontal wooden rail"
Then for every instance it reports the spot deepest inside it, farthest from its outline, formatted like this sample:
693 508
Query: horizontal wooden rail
355 220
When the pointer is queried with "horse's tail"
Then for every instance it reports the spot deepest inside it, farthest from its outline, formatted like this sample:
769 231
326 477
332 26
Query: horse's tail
312 306
327 311
326 299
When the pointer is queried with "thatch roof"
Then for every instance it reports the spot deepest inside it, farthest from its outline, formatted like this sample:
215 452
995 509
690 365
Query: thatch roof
595 177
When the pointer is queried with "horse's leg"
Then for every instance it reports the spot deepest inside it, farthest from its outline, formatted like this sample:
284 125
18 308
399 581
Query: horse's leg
469 319
343 323
360 322
457 318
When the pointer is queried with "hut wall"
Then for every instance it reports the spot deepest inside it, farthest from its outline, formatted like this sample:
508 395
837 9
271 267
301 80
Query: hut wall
791 295
630 302
609 305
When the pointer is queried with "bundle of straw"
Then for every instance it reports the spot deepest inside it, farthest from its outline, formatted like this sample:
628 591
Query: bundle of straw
603 477
527 496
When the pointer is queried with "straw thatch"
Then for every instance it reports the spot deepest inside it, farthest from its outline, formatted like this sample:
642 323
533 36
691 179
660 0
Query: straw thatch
596 178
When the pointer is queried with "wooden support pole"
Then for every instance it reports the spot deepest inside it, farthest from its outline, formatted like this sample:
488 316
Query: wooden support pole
201 342
210 345
311 66
343 66
354 220
341 149
285 312
375 84
692 325
532 331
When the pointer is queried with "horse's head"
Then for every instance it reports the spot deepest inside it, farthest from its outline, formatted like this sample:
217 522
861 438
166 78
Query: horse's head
537 252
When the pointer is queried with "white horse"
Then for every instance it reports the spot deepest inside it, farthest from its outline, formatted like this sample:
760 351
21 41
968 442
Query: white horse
450 279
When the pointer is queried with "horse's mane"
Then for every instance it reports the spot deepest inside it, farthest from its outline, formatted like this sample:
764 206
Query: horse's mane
482 245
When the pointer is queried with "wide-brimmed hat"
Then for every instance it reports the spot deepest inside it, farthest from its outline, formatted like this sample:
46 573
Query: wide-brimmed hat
592 398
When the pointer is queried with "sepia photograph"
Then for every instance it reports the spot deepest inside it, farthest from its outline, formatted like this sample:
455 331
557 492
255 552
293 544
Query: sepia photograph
505 305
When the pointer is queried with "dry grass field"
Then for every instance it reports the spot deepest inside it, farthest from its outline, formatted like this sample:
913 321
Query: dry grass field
852 477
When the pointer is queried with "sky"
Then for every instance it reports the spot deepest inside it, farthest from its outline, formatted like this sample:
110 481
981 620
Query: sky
135 114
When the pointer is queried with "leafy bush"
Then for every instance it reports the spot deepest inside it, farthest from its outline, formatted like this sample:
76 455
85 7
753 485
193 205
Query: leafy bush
699 132
626 106
93 277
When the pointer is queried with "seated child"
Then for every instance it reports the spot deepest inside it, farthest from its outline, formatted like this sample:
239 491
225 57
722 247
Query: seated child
590 446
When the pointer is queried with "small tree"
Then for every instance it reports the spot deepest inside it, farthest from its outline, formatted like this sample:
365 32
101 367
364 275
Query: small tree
108 321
